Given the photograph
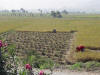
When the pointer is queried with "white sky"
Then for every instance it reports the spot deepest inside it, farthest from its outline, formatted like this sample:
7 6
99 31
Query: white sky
51 4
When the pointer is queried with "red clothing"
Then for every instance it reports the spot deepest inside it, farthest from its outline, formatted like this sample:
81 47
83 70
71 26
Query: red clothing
80 48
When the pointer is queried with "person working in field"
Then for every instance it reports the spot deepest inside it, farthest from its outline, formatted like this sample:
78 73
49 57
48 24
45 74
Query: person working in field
80 48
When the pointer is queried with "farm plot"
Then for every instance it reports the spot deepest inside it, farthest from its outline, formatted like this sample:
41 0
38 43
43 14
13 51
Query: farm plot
87 26
51 45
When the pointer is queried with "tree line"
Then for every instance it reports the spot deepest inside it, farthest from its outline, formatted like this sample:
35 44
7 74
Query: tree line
23 12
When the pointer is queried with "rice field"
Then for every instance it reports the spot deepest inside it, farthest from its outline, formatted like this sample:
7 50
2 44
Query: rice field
87 26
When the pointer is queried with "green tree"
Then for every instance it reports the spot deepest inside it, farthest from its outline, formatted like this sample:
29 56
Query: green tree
56 14
65 11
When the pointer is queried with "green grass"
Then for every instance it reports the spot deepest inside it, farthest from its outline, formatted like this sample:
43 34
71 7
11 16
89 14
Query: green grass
89 66
37 61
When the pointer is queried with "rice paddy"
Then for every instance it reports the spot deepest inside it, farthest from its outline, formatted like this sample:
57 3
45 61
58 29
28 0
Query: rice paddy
87 27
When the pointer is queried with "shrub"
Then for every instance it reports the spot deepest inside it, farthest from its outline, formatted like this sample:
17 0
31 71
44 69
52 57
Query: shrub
76 66
92 65
37 61
2 58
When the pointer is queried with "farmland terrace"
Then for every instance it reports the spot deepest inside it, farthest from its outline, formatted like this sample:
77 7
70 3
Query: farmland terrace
52 45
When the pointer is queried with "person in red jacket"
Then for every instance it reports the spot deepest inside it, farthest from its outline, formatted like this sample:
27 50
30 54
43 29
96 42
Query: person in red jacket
80 48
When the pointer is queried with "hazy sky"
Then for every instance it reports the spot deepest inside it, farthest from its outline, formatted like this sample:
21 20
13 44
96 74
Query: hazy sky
51 4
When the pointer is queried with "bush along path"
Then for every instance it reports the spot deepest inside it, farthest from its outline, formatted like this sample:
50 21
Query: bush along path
7 59
2 59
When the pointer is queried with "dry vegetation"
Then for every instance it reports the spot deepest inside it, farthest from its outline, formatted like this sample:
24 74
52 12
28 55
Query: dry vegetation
51 45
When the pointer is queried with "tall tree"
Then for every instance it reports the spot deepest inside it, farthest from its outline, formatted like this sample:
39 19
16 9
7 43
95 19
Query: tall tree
22 10
53 13
41 12
65 11
56 14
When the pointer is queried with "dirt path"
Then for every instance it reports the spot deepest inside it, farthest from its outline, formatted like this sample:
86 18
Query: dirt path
74 73
68 72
